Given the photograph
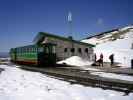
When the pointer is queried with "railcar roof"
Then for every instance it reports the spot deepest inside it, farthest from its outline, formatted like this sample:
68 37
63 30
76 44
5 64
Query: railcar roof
34 45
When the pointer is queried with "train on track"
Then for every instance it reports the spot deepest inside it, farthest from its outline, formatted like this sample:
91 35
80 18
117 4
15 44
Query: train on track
38 55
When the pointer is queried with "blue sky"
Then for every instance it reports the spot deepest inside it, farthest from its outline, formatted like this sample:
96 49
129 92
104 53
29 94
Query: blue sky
21 20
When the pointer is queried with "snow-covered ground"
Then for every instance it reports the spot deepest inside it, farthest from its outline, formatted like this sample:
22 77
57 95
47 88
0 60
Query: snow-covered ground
4 60
83 64
18 84
7 59
122 47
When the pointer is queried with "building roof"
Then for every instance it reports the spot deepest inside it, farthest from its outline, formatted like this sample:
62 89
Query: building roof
40 36
102 33
113 30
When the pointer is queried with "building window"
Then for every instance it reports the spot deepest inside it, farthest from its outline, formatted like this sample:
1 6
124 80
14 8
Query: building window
65 50
72 50
79 50
86 50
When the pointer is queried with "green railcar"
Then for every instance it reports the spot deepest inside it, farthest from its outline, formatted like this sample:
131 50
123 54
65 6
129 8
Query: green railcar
34 54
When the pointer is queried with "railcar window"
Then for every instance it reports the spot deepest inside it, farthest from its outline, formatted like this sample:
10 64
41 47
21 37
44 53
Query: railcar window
36 49
53 49
27 49
40 49
23 49
17 50
47 51
50 49
20 50
32 49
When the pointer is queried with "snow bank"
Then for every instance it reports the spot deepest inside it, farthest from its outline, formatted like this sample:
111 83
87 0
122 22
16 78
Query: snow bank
17 84
122 48
76 61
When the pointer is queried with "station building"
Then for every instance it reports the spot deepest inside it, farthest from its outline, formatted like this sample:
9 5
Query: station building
66 47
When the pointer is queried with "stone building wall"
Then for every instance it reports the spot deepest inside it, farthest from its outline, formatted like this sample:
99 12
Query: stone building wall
64 48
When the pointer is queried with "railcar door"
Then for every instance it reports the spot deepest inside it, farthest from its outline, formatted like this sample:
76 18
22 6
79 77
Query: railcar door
40 56
47 56
50 55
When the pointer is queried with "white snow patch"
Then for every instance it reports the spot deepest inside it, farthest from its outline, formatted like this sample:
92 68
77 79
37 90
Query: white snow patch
91 69
17 84
114 76
128 27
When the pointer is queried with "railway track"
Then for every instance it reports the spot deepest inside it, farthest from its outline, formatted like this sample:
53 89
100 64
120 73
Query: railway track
85 78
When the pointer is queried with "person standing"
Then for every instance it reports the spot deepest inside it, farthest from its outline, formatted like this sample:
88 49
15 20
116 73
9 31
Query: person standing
111 57
101 59
95 57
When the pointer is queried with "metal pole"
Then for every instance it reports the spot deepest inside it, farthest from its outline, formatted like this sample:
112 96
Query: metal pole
70 30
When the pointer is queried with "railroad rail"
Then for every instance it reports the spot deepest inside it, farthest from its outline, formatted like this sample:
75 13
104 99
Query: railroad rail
85 78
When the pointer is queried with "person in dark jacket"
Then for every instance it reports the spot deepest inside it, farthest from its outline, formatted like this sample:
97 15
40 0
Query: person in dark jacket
101 59
111 57
95 57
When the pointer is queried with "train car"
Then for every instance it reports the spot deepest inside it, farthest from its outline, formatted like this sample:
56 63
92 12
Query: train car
38 55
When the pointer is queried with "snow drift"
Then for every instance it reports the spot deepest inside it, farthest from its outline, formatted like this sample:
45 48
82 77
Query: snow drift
76 61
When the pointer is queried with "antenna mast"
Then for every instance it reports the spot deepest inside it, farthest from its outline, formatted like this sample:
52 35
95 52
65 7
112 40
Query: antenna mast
70 24
70 32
